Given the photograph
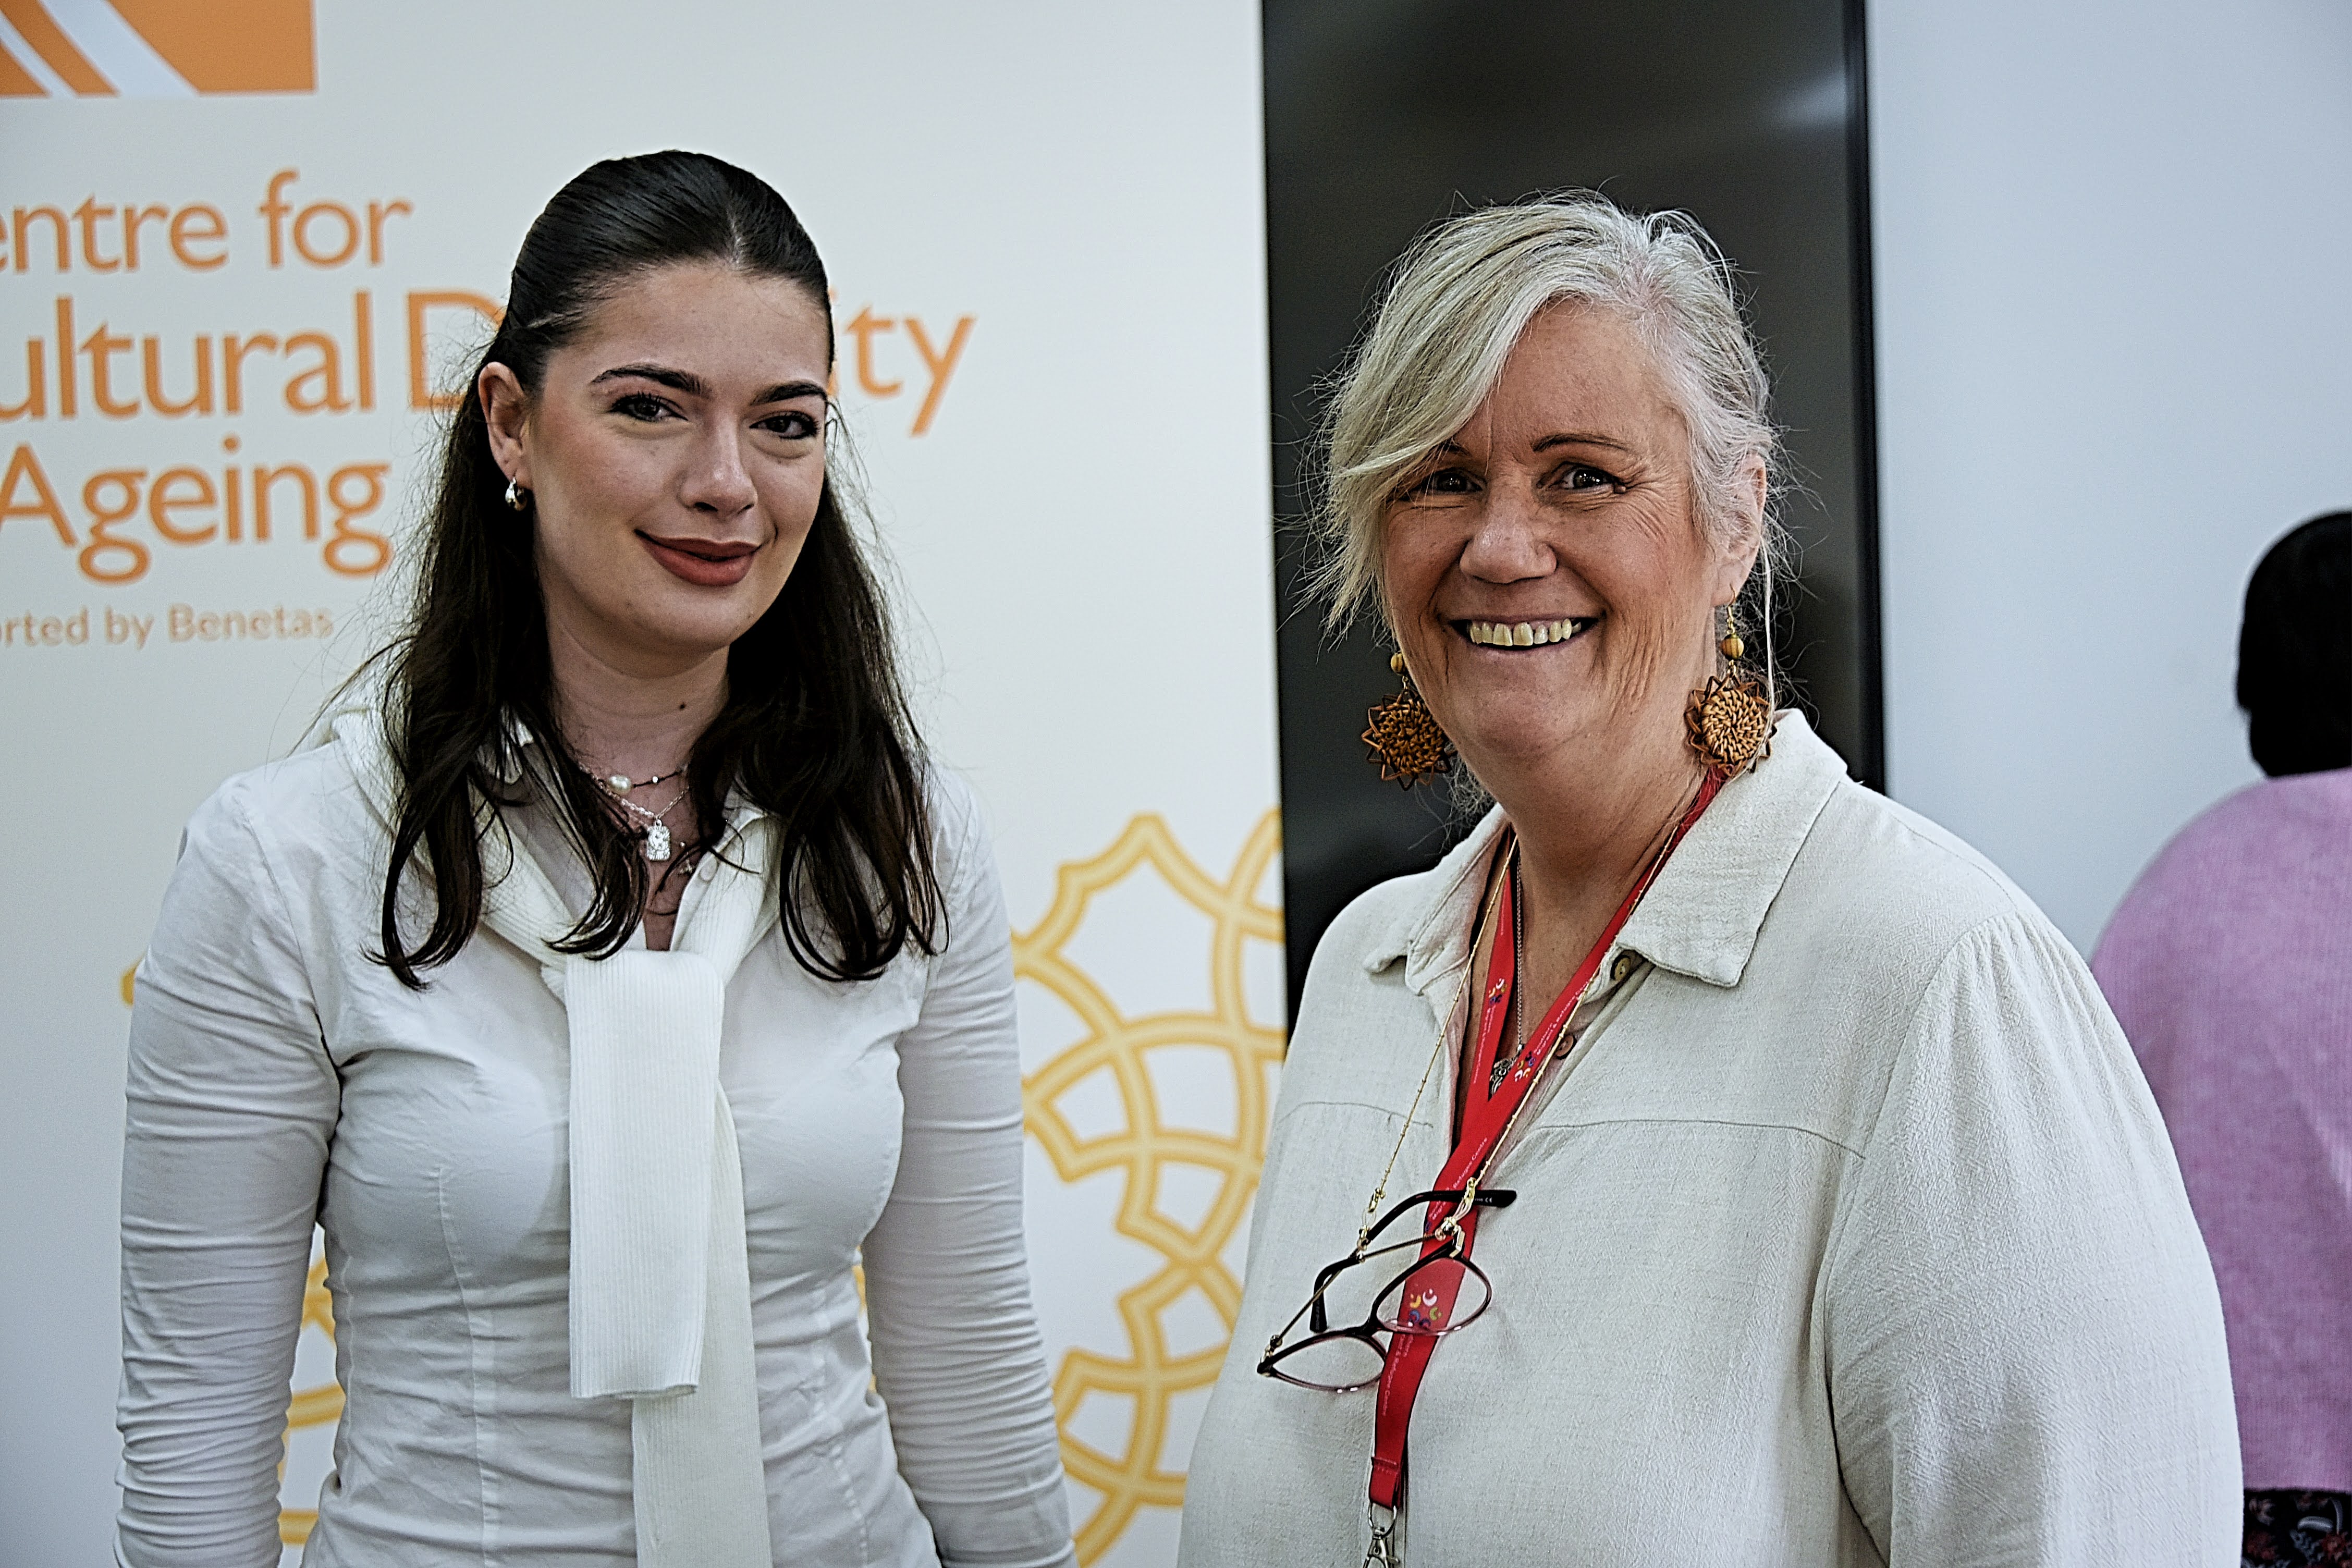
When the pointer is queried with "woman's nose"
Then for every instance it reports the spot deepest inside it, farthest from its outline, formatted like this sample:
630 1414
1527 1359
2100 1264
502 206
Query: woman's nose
1506 545
717 481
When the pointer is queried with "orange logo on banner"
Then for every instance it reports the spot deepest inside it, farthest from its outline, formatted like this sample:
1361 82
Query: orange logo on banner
153 48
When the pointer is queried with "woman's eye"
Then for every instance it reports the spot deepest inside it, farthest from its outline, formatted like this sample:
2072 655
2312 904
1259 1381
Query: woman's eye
795 426
641 406
1580 476
1445 482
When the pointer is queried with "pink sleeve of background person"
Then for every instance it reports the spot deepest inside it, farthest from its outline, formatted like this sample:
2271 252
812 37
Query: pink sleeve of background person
2229 964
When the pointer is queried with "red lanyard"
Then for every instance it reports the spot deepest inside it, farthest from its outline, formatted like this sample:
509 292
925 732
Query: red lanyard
1487 1109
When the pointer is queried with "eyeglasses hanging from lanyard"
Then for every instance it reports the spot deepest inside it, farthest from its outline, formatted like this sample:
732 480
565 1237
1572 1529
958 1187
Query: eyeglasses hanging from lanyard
1435 1294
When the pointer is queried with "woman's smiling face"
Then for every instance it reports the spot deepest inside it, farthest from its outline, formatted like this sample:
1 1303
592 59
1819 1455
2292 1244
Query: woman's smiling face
675 454
1546 570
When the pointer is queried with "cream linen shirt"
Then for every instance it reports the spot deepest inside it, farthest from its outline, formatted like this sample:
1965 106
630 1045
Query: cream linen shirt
1849 1234
277 1076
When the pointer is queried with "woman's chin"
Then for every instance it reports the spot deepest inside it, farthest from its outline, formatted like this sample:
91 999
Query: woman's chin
1572 725
670 634
1518 735
677 615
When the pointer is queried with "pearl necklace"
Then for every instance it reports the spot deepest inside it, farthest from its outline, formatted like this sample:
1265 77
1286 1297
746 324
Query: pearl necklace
622 783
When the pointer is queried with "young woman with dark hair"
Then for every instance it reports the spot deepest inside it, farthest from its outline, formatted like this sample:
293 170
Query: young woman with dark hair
612 975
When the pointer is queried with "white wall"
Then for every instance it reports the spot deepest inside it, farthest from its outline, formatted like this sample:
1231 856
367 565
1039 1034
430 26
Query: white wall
2114 350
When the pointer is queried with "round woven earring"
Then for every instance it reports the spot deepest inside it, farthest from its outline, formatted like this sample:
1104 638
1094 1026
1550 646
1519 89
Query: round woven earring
1404 736
1729 718
518 497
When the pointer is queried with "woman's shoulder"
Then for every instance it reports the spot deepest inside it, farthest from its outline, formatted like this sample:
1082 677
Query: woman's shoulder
288 841
957 821
1375 924
308 800
1907 969
2257 873
2253 834
1379 942
1899 878
1887 921
948 797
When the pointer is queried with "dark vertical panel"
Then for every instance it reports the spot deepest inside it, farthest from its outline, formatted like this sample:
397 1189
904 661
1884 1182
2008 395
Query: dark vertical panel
1383 116
1869 755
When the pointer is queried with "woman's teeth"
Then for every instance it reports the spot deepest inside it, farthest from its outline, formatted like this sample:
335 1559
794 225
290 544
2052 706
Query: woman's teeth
1524 634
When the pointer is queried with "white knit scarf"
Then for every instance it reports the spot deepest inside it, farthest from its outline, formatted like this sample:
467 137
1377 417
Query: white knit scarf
661 1292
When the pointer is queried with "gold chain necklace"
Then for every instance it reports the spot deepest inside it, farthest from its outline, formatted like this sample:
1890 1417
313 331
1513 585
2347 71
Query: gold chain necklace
1437 1053
1470 966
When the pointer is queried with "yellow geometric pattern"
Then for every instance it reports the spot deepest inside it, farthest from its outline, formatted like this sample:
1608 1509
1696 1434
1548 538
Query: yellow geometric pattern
311 1406
1149 1375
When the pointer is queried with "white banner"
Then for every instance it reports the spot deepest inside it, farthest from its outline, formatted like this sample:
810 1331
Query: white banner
241 249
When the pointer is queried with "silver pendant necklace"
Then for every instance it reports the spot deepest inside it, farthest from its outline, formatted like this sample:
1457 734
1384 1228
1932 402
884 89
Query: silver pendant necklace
658 836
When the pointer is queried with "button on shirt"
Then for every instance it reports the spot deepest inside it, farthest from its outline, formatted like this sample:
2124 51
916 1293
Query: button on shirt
1847 1233
278 1076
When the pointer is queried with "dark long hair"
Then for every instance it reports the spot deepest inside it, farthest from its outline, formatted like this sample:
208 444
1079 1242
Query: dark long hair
815 729
2295 672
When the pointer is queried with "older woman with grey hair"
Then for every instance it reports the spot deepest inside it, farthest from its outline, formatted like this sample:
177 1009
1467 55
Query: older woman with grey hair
1709 1161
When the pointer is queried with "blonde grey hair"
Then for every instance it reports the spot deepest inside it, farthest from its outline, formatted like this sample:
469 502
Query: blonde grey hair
1456 305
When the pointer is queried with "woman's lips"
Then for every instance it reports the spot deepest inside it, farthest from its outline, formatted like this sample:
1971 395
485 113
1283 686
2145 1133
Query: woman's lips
703 562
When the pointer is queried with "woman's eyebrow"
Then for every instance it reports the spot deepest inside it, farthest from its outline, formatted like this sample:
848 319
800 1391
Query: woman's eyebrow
1580 438
686 381
678 380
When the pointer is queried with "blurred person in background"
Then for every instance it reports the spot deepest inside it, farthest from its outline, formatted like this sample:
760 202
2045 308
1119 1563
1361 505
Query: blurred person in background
2230 964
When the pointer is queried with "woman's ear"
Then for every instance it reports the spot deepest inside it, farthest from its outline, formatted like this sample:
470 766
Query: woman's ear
1738 556
507 412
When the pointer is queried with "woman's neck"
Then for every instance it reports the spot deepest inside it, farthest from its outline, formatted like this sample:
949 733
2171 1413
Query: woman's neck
1585 834
634 721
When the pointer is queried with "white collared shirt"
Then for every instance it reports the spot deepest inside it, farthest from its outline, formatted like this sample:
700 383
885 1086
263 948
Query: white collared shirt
1848 1235
277 1075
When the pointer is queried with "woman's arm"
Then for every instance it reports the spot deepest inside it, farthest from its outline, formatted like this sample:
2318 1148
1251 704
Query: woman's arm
232 1100
2025 1350
956 1351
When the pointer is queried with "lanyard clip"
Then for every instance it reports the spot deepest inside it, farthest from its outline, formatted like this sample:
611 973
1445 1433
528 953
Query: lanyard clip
1383 1553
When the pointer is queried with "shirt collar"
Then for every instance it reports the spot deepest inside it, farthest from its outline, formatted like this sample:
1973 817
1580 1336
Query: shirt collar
1699 917
506 761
